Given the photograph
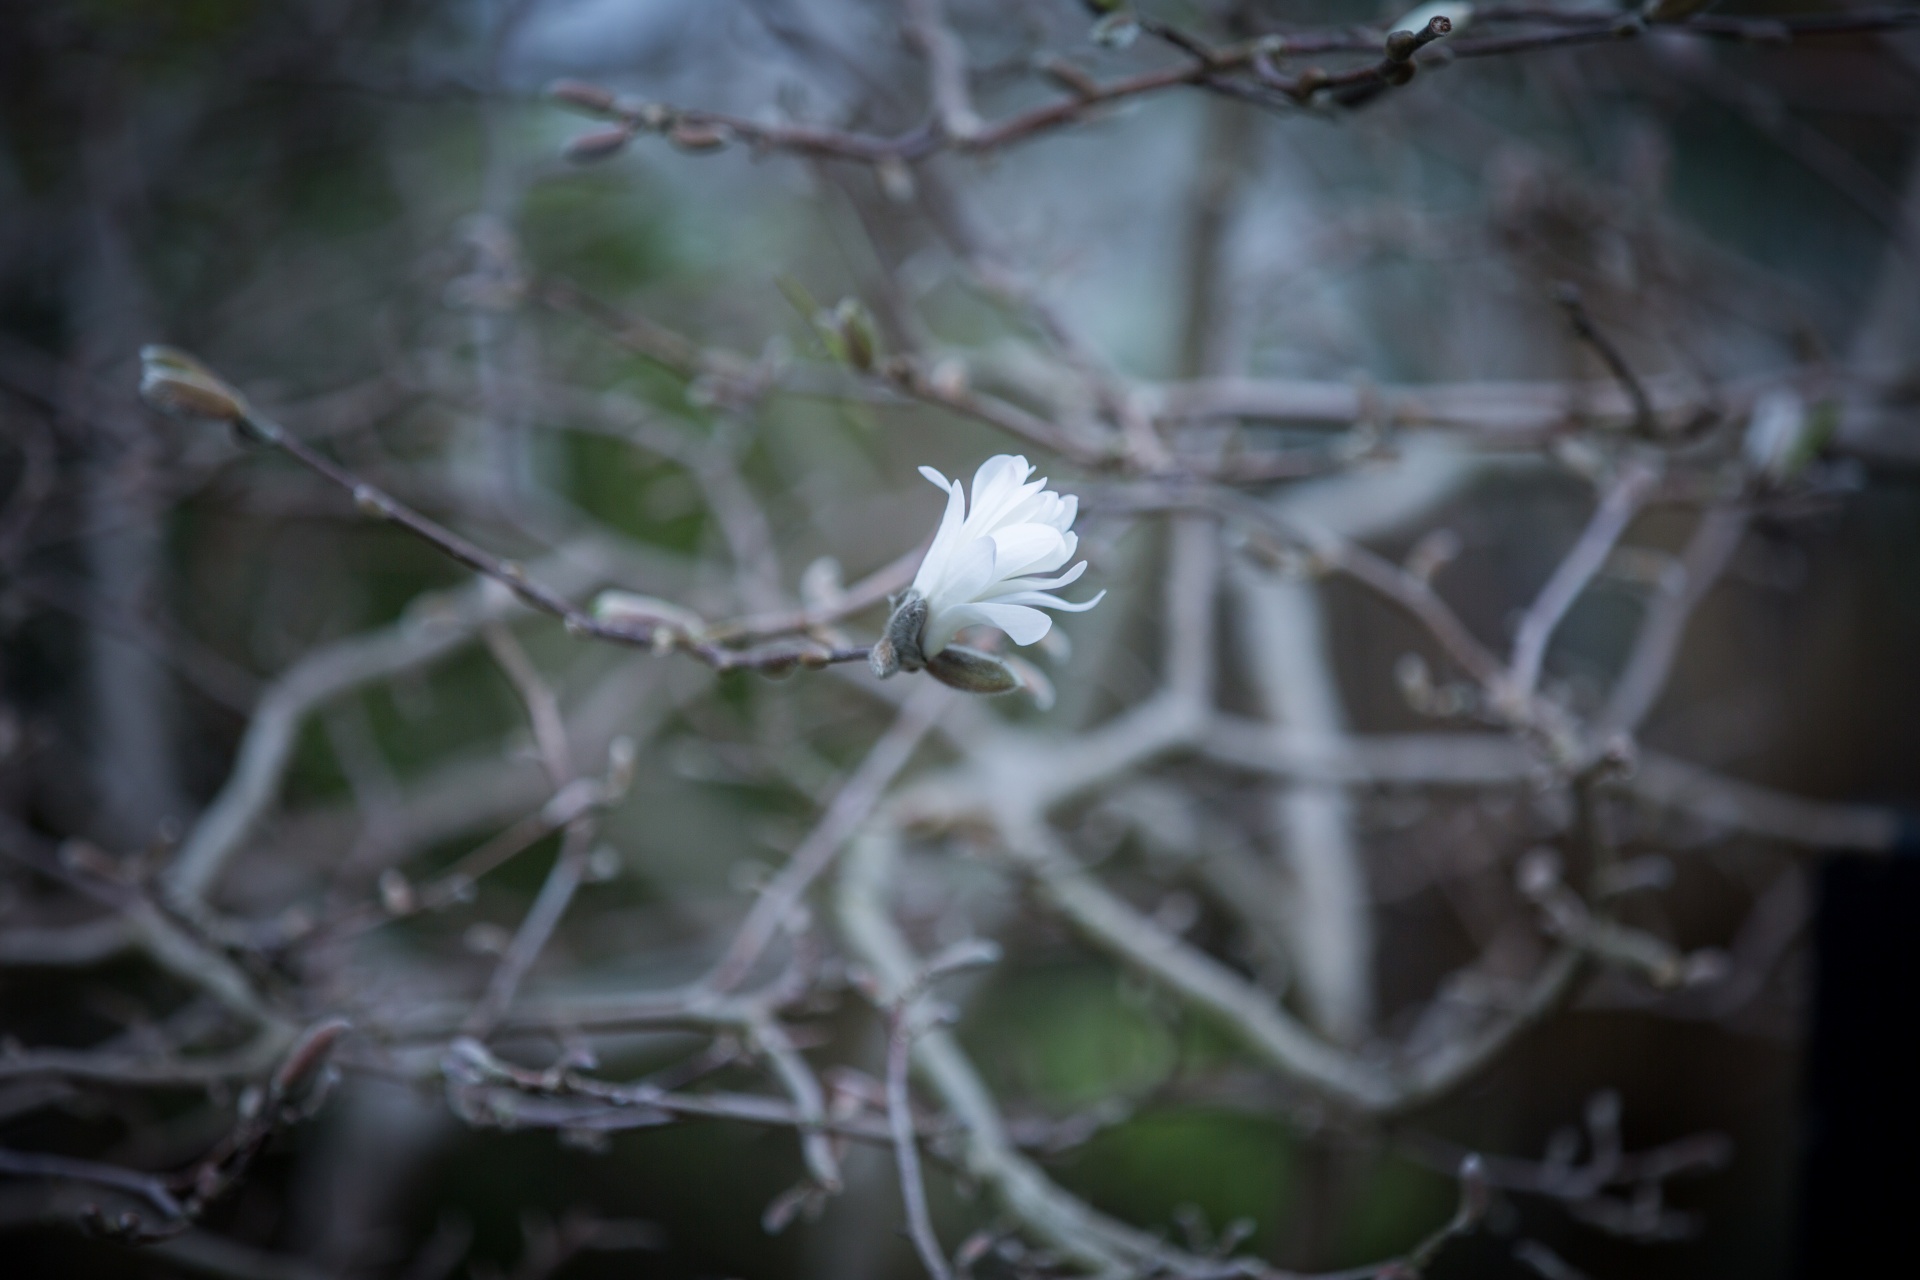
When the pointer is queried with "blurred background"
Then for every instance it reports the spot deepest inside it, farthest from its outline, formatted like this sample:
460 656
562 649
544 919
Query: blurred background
614 356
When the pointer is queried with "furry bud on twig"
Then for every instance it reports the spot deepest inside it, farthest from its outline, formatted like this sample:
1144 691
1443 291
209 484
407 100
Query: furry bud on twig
850 334
304 1075
590 99
689 136
181 387
971 671
898 648
600 143
1115 31
1474 1192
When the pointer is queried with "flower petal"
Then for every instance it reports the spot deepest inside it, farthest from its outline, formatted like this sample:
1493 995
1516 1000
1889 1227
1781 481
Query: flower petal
1022 625
935 566
1071 576
1027 548
1041 600
998 487
989 558
969 574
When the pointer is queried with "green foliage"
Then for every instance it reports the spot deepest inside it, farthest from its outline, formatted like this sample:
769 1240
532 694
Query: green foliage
1225 1165
633 491
1068 1036
1391 1205
601 229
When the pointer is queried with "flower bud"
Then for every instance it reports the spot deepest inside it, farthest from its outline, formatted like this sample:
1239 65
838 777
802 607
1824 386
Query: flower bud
630 609
689 136
181 387
599 144
1475 1195
898 648
971 671
852 334
1117 30
581 96
306 1062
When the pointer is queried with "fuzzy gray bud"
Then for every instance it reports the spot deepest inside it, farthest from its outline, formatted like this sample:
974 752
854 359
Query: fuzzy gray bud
898 648
181 387
972 671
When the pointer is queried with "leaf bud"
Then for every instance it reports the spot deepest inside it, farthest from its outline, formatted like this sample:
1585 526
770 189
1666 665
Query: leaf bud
599 144
688 136
581 96
180 386
898 648
971 671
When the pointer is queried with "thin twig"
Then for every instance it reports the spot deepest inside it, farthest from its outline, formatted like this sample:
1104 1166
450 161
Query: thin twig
1611 517
513 576
849 807
1657 644
906 1145
437 625
1590 333
946 69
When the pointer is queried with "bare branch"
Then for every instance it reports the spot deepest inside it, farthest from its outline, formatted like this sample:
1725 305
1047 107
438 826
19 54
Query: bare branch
850 807
946 69
1610 520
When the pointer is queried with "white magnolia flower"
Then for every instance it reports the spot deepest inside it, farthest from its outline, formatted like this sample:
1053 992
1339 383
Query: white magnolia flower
987 567
986 561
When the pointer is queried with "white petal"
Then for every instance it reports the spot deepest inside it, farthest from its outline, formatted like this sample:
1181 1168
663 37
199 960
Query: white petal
969 574
935 566
987 563
1041 600
1028 506
1027 548
1022 625
1008 470
1068 578
998 487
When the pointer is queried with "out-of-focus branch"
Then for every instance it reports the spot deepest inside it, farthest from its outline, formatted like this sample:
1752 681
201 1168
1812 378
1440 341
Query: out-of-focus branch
1138 941
1638 1178
542 707
1577 568
556 892
496 789
1499 414
1680 592
144 1186
437 626
61 946
1085 1236
901 1031
294 1090
1285 650
178 384
1743 806
1568 296
901 379
1219 68
850 806
927 28
469 1069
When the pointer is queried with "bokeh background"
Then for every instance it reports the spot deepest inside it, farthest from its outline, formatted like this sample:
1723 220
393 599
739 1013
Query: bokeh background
357 212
